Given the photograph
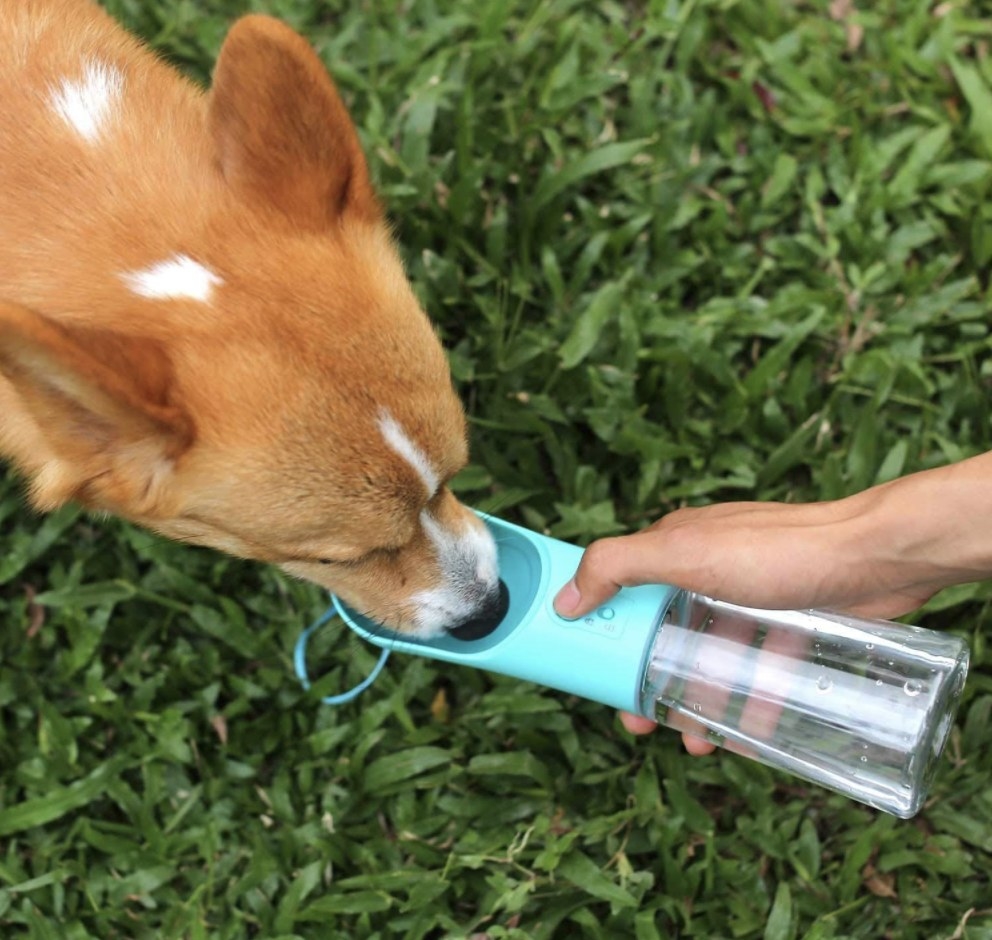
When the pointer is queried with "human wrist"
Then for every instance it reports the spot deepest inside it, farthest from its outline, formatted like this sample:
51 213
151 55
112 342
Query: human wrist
930 528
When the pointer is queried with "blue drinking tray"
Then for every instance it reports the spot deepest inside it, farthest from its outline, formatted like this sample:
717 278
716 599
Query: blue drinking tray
600 656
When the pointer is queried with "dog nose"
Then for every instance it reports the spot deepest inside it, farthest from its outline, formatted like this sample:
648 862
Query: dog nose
489 617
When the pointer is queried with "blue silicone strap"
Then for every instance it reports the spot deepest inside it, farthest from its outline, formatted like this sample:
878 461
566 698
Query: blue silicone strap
300 664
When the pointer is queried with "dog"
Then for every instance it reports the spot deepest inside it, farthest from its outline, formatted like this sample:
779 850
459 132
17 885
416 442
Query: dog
205 327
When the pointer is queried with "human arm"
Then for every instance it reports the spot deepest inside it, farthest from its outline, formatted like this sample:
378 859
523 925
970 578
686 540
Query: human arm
880 553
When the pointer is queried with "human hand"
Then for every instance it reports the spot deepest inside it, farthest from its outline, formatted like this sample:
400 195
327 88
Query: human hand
766 555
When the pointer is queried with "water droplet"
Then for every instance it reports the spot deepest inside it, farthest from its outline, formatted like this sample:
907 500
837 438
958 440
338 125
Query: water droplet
878 682
869 646
864 760
913 687
824 684
696 707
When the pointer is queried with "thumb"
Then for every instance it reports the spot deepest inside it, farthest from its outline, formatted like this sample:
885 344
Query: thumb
605 567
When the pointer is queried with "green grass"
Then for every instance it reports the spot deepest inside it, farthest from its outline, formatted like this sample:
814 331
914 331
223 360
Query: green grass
680 253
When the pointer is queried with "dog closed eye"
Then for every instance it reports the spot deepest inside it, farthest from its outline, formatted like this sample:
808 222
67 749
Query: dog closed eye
327 562
387 551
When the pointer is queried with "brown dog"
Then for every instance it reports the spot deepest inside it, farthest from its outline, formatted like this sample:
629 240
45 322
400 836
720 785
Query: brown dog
204 325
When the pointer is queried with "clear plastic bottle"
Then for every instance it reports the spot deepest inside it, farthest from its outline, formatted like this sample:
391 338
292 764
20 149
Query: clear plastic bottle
861 706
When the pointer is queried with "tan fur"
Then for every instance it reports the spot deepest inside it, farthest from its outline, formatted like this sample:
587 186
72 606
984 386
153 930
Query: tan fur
246 423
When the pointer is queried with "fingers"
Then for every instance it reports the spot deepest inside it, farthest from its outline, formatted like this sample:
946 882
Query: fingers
697 747
606 566
637 724
781 652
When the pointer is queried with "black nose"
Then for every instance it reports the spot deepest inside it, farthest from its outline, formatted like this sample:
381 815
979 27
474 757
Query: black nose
490 617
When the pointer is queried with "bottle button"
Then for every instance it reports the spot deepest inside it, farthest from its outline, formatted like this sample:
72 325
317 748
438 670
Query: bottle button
601 627
606 613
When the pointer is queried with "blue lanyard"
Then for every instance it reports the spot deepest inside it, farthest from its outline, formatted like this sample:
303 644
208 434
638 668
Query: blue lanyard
300 663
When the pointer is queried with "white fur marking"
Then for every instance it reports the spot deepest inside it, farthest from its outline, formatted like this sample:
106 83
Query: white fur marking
469 566
398 440
475 545
176 278
86 104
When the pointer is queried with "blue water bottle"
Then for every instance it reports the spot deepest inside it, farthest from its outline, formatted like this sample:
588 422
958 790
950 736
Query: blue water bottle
863 707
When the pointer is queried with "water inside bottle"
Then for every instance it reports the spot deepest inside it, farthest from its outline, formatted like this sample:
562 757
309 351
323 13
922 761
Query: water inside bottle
862 707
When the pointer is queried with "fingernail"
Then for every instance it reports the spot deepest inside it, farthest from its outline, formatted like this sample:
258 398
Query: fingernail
568 600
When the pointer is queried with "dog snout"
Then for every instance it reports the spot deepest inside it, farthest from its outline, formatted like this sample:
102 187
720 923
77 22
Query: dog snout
492 609
468 588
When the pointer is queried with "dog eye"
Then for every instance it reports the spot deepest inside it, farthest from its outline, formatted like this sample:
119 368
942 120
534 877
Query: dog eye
386 552
310 560
340 562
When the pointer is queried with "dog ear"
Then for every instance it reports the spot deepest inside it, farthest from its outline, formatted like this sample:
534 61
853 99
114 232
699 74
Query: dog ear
283 136
90 418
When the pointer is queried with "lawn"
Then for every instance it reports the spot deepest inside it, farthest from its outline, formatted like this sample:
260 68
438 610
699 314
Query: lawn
679 253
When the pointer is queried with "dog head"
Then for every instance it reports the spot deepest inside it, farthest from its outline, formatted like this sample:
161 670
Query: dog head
264 383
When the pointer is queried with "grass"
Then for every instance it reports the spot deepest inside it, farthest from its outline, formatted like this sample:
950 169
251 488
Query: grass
680 253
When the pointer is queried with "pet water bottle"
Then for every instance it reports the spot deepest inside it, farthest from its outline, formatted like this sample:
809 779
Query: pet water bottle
863 707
